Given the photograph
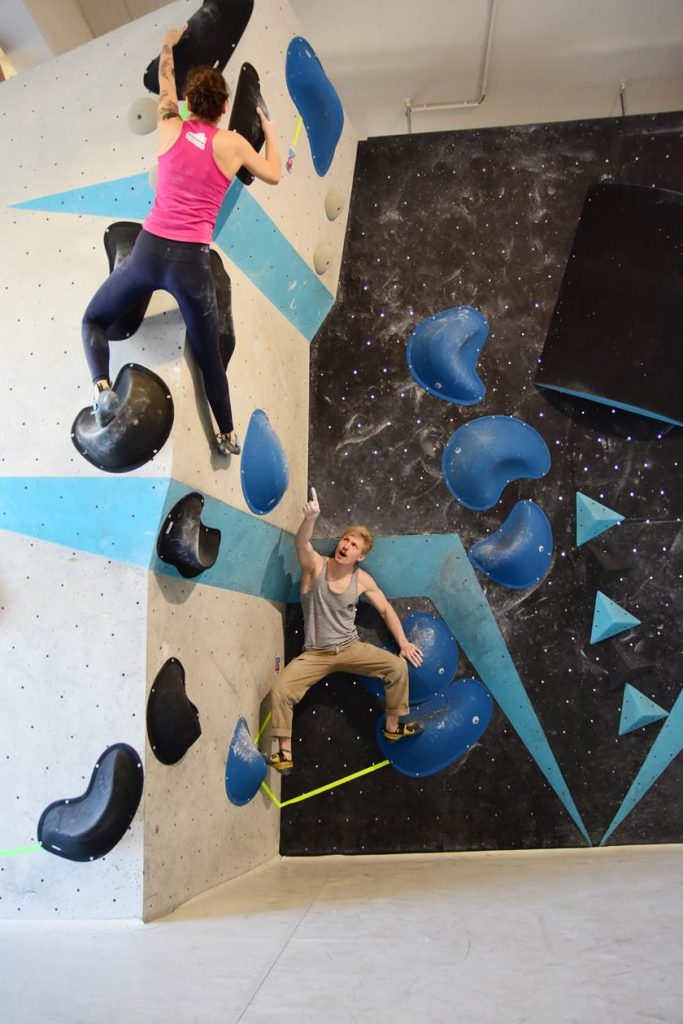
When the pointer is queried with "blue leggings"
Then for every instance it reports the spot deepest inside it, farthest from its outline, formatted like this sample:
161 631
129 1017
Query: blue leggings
184 270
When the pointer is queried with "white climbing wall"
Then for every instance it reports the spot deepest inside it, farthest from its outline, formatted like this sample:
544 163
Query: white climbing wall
86 625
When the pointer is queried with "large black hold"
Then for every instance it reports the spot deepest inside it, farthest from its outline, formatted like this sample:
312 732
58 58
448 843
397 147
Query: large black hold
172 719
139 429
209 40
615 332
184 541
243 117
91 825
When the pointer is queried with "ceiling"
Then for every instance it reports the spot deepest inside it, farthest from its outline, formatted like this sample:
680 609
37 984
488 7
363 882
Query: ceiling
548 60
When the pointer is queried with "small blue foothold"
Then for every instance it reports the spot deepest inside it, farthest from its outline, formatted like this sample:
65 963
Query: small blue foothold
246 767
638 710
592 518
610 619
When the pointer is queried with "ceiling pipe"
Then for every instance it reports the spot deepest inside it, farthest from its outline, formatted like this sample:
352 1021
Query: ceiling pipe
411 108
622 96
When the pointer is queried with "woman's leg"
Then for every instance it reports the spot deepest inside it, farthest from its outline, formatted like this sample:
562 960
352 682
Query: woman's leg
193 287
125 286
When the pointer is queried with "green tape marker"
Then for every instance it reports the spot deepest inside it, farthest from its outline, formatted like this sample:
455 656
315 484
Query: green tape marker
16 850
323 789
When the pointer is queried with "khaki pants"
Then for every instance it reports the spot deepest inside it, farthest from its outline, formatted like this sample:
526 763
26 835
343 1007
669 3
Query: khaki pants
310 667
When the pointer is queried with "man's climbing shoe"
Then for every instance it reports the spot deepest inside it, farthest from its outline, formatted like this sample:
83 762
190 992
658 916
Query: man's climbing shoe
280 761
105 404
404 730
226 446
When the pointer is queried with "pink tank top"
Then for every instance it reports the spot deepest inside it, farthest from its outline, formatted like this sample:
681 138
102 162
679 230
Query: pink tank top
190 187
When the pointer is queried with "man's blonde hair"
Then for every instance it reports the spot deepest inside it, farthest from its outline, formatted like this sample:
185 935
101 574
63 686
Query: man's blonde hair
363 533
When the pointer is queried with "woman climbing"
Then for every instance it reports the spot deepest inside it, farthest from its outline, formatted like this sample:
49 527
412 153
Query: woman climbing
197 161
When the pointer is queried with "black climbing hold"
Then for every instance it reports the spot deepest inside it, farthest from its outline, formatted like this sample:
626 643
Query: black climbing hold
119 239
172 719
633 667
139 429
243 118
91 825
607 561
184 541
209 40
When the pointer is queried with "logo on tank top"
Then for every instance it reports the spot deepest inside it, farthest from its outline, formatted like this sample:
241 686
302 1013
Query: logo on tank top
197 139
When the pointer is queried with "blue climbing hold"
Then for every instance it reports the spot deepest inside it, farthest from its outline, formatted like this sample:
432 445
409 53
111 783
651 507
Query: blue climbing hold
609 619
245 769
519 553
486 454
638 710
440 658
264 470
592 518
316 100
439 651
442 354
453 721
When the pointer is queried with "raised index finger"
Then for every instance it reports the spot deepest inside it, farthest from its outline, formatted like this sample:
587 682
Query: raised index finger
314 496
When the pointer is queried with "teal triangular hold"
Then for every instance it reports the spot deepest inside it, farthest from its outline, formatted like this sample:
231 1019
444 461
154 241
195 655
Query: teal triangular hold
609 618
638 710
123 198
592 518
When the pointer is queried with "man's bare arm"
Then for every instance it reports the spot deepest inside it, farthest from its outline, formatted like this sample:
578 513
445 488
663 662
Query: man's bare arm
309 559
377 598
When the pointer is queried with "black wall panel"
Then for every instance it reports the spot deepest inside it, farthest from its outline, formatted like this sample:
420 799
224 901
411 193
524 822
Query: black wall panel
486 218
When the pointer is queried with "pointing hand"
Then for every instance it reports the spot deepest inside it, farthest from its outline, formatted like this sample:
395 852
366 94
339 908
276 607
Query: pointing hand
311 507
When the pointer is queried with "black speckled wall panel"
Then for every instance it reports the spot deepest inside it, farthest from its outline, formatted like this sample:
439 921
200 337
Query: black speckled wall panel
487 218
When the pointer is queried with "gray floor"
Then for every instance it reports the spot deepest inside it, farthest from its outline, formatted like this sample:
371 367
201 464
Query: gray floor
491 938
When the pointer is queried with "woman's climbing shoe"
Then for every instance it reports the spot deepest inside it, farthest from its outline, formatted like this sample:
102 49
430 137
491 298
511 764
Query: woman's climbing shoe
105 404
228 444
280 761
404 730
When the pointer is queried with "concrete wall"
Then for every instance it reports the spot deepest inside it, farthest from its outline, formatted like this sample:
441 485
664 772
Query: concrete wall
85 625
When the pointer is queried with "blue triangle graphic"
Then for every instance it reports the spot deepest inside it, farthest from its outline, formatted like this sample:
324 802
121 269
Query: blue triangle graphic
665 748
638 710
609 619
592 518
123 198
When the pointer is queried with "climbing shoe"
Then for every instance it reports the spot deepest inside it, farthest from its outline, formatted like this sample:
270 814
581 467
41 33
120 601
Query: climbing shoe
280 761
404 730
105 404
226 446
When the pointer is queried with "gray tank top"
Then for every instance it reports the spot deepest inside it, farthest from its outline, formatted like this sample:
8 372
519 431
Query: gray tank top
329 618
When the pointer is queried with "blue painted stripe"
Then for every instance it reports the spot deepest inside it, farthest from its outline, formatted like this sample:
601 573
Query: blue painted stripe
257 246
123 198
614 405
666 747
438 567
115 517
244 232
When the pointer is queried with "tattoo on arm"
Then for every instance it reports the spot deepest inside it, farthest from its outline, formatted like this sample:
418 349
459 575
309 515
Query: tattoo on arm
167 107
168 99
